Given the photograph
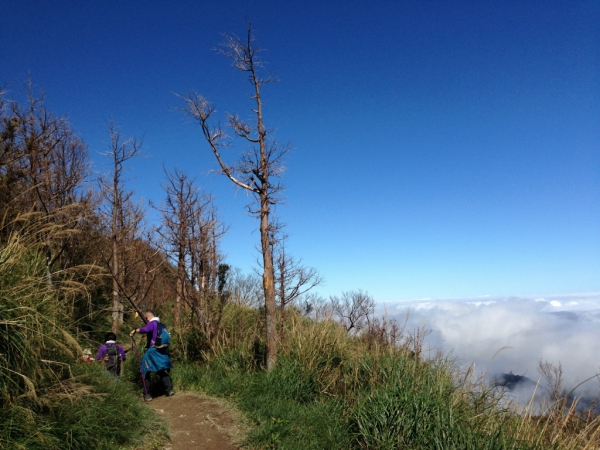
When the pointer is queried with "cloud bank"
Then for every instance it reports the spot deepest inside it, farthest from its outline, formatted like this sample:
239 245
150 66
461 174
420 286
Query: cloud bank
504 334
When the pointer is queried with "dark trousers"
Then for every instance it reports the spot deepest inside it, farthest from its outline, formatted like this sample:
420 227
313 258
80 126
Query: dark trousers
165 379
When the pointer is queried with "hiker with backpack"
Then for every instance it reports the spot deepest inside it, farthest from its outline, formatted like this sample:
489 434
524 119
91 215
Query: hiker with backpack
156 358
111 354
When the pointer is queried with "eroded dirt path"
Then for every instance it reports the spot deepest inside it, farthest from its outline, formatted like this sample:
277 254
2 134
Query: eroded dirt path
199 422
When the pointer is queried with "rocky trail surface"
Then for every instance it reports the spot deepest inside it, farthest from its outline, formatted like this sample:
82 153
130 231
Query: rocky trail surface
199 422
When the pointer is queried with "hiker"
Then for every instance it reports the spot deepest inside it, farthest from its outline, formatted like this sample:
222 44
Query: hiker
155 357
86 357
111 354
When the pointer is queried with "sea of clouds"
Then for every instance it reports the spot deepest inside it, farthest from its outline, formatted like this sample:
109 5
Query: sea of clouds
511 334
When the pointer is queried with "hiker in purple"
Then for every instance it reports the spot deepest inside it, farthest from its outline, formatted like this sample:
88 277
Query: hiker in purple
111 354
155 357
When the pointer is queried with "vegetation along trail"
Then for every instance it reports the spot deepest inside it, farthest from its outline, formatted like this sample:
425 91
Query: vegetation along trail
199 422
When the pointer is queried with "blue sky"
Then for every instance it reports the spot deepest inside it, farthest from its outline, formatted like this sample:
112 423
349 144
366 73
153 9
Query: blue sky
440 149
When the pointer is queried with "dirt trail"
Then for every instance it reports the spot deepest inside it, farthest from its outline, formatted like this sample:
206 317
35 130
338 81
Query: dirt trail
199 422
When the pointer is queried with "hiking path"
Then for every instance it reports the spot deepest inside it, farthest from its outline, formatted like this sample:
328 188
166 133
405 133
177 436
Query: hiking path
197 421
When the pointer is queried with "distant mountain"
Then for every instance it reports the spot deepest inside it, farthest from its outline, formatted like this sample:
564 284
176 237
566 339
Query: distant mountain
511 381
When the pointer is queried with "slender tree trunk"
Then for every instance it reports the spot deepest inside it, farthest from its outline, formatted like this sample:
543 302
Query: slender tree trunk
117 318
180 286
212 242
115 287
177 312
282 300
268 285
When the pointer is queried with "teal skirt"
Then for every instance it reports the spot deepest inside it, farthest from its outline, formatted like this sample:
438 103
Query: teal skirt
154 360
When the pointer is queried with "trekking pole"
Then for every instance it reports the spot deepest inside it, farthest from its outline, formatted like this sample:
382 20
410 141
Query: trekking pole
137 355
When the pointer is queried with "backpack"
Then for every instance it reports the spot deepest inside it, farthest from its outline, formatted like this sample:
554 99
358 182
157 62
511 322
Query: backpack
163 337
113 365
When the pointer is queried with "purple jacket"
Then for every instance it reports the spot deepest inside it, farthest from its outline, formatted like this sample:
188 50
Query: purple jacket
151 329
102 351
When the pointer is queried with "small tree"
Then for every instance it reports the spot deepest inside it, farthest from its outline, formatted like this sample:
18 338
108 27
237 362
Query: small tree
190 234
124 217
555 386
353 309
257 169
179 213
292 278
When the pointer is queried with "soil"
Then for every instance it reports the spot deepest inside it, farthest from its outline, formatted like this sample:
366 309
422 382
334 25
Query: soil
200 422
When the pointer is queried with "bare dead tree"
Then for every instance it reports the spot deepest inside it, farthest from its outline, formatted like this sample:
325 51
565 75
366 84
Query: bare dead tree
245 290
141 265
292 278
208 273
384 333
257 169
43 168
190 234
353 309
178 214
316 307
211 306
124 216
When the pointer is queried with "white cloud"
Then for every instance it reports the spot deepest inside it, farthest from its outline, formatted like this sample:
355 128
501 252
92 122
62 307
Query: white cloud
506 334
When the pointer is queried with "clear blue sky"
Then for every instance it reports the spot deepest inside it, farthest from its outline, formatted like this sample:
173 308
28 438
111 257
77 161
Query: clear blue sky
440 149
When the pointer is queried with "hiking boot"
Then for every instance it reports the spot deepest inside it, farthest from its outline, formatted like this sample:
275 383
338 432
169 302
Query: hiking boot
147 398
170 393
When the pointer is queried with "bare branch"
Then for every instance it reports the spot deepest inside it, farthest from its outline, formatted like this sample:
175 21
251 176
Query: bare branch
200 109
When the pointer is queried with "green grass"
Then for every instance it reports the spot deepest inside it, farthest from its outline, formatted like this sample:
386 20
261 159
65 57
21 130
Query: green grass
417 405
96 412
388 402
330 390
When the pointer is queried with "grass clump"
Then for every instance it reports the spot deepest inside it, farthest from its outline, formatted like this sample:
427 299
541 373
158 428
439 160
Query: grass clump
418 405
93 412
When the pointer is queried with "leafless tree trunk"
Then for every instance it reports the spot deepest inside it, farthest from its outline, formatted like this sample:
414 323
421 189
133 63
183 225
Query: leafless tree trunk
256 170
182 215
124 215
